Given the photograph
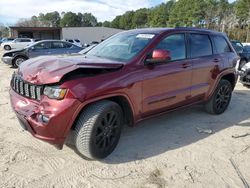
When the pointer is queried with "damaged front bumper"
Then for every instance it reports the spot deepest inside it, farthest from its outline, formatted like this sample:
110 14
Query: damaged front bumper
48 120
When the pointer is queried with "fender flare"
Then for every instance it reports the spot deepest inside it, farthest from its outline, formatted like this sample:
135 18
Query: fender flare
217 80
92 100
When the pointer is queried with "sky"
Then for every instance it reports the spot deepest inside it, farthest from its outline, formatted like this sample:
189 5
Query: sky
12 10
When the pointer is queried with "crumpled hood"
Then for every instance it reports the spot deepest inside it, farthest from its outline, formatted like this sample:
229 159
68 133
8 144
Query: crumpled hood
50 69
13 52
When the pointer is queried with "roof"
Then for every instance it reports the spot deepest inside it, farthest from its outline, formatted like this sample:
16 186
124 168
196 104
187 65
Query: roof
162 30
35 28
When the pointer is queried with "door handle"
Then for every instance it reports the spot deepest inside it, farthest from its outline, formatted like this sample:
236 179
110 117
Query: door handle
185 65
216 60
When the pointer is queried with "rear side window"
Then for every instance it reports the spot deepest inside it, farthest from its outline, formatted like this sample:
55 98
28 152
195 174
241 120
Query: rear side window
200 45
221 45
175 44
58 45
25 40
71 41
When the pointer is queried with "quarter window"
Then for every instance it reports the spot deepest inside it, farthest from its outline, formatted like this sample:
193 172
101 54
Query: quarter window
58 45
175 44
221 45
200 45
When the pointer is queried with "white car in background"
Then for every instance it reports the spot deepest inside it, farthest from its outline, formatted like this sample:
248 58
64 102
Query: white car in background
18 43
76 42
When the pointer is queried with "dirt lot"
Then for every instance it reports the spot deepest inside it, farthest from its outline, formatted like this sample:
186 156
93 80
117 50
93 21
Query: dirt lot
174 150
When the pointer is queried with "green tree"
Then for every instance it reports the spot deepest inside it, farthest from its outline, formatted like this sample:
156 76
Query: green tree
159 15
53 18
87 20
187 13
116 22
140 18
125 21
70 19
106 24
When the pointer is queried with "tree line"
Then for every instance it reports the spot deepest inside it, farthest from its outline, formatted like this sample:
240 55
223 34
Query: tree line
232 18
65 19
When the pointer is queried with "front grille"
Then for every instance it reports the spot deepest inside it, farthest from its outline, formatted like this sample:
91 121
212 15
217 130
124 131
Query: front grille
26 89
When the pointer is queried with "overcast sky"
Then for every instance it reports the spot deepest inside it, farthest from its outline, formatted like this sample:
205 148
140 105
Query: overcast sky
12 10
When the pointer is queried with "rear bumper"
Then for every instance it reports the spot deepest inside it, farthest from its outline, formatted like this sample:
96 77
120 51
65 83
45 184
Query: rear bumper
61 115
7 60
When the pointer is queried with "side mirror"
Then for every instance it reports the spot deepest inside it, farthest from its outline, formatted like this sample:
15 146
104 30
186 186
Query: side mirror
158 56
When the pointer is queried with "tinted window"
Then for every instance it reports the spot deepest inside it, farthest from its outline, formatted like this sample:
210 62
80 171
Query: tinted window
77 40
175 44
17 40
43 45
200 45
25 40
221 44
70 41
58 45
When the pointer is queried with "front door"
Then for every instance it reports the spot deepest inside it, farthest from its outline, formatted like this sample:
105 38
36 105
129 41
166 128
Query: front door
42 48
168 85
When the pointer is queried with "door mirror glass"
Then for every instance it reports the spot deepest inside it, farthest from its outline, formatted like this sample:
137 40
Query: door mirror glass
159 56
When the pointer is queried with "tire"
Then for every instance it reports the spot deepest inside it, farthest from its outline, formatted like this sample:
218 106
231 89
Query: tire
7 47
95 138
18 60
220 99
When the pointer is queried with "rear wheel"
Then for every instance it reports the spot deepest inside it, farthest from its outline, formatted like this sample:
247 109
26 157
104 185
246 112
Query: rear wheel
7 47
98 129
220 99
18 60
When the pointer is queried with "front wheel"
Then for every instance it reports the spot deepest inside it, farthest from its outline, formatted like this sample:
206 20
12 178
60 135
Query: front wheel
220 99
98 129
18 60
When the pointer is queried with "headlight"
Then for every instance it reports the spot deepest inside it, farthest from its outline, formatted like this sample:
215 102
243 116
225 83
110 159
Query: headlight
54 92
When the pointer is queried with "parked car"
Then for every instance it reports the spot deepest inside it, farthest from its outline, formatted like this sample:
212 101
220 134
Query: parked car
129 77
3 40
41 48
18 43
242 51
76 42
244 73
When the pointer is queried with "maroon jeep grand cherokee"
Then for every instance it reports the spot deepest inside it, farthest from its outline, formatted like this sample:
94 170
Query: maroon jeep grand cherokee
129 77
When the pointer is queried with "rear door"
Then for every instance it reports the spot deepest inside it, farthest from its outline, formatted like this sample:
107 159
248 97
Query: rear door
204 63
167 85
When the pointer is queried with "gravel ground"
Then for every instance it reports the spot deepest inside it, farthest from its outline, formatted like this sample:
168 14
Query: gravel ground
186 148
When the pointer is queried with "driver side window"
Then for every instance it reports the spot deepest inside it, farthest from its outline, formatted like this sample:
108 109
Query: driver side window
175 45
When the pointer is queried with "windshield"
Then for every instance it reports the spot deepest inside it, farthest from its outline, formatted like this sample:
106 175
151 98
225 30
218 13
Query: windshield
122 47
